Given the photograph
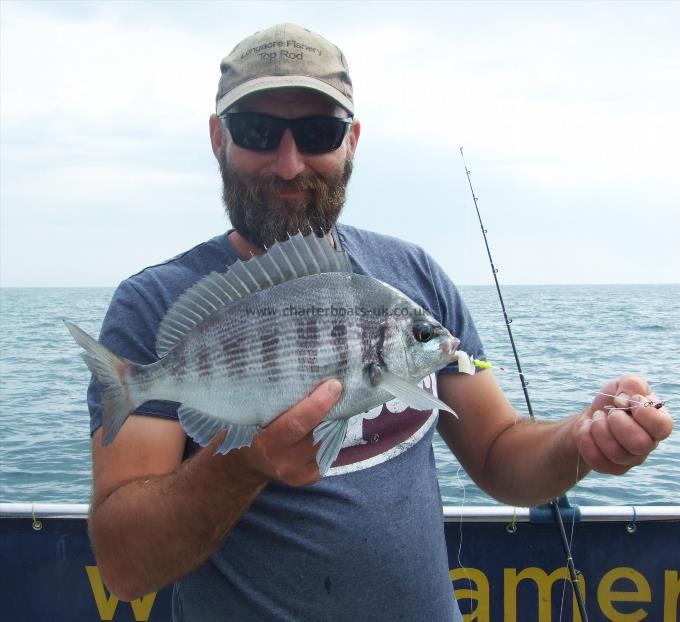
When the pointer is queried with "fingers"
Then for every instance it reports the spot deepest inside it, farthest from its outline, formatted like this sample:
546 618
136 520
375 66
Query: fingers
632 384
657 422
621 433
631 437
619 438
600 450
628 384
295 474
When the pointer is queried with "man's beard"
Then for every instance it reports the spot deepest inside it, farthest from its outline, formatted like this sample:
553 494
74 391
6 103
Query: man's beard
261 217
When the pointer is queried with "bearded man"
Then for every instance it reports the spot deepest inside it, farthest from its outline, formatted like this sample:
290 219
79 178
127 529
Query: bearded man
257 534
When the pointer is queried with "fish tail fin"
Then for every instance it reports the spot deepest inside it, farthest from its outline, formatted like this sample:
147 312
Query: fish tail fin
112 372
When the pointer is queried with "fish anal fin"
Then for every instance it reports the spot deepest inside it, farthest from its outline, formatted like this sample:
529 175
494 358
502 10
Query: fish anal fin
200 426
329 435
237 436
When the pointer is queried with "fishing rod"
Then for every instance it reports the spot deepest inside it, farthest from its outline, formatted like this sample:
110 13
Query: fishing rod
554 504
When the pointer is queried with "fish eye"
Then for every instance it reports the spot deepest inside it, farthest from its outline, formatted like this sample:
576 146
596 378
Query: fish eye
423 332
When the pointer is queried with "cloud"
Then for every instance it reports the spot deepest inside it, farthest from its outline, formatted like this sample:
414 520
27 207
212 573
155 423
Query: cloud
554 101
568 118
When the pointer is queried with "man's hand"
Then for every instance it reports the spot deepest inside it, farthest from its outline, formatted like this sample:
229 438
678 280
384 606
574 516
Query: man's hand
617 433
284 450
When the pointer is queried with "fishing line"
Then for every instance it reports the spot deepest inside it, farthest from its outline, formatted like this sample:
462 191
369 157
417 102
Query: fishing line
645 404
571 534
461 483
554 502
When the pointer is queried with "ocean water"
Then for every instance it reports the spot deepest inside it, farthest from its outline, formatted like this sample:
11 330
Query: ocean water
571 339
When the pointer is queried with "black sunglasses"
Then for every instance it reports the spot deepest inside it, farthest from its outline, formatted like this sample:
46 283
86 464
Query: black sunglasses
262 132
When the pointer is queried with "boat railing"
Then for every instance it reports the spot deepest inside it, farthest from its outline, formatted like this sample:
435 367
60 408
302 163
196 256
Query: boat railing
452 513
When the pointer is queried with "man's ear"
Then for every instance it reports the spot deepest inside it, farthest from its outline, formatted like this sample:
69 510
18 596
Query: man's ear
354 133
216 134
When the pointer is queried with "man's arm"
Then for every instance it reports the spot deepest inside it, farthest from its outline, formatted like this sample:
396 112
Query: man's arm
527 462
154 519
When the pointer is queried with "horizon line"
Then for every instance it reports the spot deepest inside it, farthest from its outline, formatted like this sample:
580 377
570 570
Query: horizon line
458 285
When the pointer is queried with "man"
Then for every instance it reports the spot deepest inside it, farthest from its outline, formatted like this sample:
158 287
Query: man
256 534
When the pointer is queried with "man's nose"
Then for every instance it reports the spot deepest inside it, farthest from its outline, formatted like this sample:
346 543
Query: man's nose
288 162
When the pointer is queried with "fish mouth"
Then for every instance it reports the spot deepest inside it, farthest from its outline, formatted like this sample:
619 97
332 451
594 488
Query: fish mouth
449 346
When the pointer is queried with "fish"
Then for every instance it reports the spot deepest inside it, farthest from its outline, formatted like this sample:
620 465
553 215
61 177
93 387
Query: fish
241 347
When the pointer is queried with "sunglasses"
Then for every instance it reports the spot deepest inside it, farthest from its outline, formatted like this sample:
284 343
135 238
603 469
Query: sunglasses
262 132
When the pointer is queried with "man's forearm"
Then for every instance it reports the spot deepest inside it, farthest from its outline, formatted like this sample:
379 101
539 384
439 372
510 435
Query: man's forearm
149 532
532 462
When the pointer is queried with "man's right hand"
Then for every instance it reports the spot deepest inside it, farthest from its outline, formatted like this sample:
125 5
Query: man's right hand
285 450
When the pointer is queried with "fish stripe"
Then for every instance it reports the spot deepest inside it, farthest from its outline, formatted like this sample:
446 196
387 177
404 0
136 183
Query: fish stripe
307 334
204 365
270 351
234 351
340 346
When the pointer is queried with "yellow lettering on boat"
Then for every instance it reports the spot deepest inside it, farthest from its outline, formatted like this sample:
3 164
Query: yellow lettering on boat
606 596
141 607
106 605
481 593
544 583
671 590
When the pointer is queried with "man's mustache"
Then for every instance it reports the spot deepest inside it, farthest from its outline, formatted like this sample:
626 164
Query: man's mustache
276 184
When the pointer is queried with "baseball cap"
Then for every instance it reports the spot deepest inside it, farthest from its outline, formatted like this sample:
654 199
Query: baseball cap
283 56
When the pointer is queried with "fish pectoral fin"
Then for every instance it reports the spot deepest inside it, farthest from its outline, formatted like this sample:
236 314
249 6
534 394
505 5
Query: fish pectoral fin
238 436
199 425
410 393
329 435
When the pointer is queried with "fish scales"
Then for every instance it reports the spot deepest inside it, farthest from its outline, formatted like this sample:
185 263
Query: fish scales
307 350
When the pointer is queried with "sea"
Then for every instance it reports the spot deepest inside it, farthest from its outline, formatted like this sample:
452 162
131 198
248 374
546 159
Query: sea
570 340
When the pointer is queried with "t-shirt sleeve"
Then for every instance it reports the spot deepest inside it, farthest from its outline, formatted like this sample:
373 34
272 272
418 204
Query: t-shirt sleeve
454 314
129 330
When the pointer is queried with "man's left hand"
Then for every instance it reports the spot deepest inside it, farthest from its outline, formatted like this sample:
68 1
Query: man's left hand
617 433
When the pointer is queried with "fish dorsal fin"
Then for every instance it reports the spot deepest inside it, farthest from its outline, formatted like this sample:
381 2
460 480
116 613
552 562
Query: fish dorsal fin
300 255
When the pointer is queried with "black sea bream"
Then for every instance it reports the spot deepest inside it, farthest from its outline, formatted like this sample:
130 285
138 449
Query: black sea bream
239 348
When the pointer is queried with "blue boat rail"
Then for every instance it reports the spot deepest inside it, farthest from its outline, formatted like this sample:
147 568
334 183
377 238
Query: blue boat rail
452 513
506 564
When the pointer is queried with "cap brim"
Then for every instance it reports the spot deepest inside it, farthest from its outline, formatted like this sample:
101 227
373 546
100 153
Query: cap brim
280 82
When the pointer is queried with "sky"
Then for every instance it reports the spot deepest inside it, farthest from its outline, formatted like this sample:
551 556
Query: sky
568 114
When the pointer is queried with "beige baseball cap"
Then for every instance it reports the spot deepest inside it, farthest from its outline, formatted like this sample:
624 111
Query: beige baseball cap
284 56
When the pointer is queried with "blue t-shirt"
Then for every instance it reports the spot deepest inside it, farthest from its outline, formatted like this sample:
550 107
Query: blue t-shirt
366 542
